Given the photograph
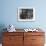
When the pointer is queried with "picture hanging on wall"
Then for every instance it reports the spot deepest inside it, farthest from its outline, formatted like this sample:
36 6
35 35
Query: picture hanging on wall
26 14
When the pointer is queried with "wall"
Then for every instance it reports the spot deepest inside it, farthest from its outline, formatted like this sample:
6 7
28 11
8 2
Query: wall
8 13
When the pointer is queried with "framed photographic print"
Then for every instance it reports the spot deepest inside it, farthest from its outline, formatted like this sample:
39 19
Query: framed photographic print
26 14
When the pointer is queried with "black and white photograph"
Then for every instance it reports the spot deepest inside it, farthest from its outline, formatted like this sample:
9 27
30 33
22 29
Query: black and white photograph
26 14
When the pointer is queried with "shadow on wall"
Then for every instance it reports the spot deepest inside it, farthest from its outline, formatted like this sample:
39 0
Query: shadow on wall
2 26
